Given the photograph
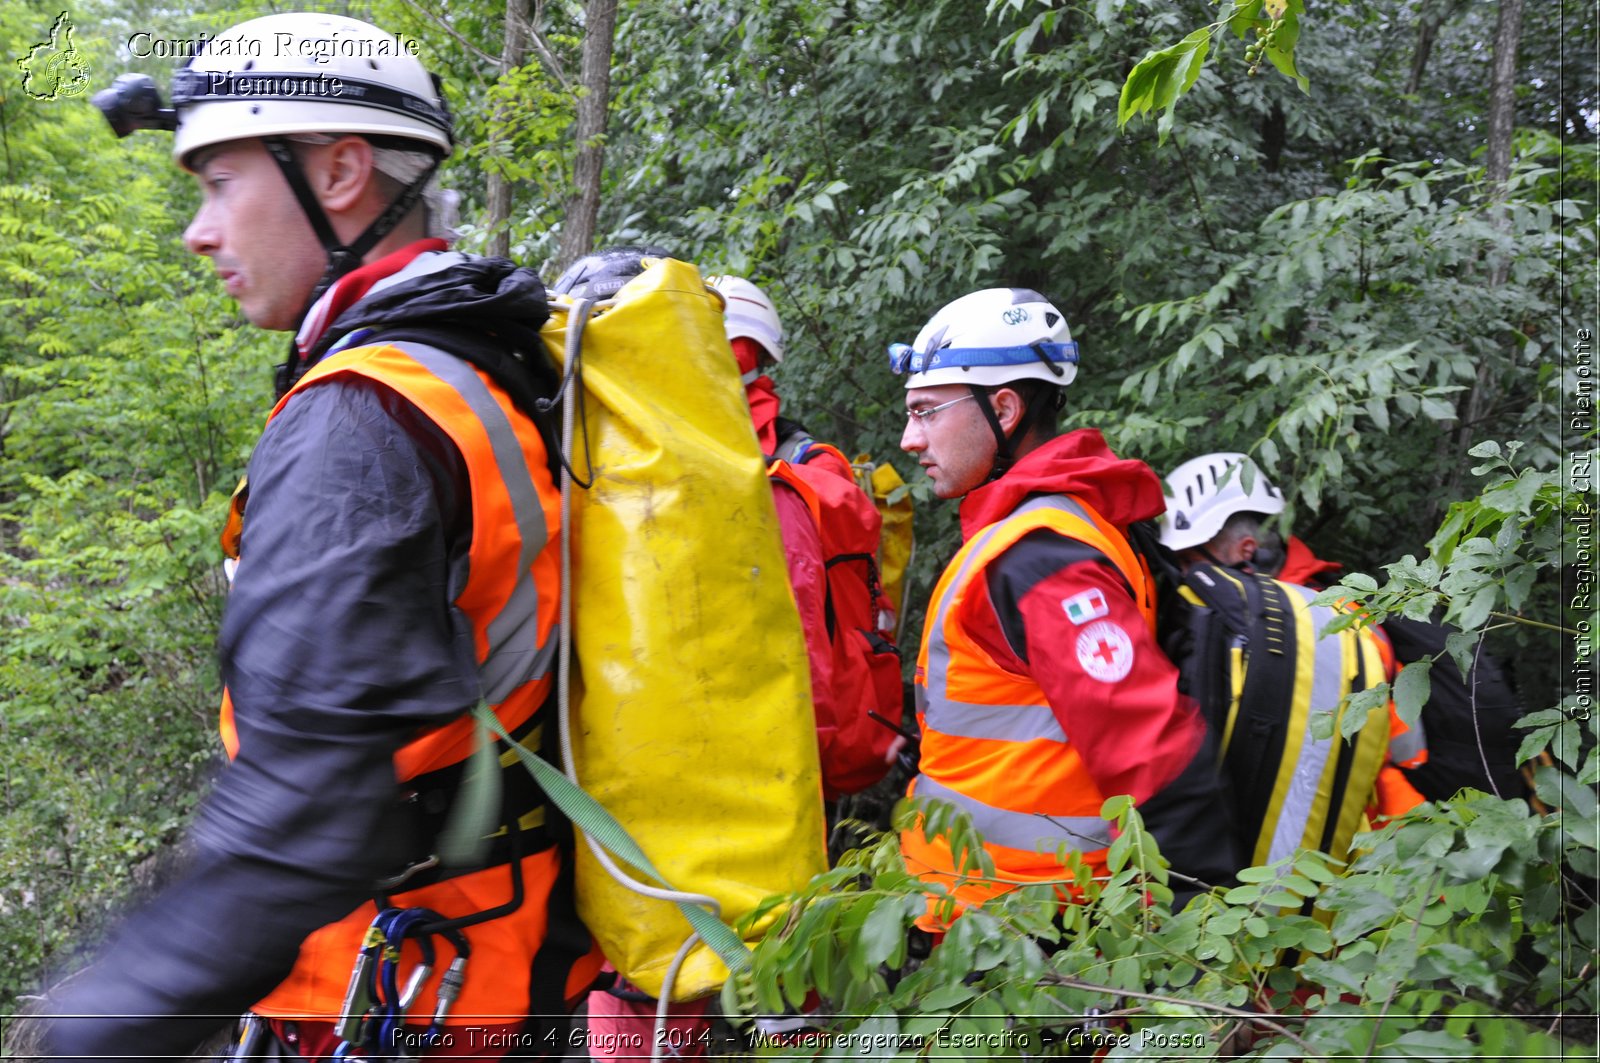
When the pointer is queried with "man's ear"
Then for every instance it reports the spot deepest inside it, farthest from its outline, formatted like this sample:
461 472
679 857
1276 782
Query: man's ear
1008 408
1246 546
342 173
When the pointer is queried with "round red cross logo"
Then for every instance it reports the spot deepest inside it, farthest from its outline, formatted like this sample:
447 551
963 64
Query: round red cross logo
1105 651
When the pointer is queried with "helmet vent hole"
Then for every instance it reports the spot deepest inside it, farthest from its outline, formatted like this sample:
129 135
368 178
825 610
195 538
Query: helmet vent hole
256 109
372 63
1050 319
249 65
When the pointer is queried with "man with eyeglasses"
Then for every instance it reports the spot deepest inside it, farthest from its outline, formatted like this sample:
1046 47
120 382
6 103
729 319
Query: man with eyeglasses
1040 688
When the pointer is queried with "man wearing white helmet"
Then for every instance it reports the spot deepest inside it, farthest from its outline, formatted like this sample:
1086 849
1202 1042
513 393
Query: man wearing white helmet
1217 512
756 335
1299 789
395 567
1041 692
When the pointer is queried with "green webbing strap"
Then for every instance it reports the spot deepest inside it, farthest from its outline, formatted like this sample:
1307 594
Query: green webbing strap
600 825
475 815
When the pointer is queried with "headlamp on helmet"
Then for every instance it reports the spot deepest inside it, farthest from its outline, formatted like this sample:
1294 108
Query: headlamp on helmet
133 102
288 74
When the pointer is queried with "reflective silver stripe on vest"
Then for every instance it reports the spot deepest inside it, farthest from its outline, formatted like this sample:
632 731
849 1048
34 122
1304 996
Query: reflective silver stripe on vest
1006 723
1327 687
1029 831
1402 747
942 713
515 656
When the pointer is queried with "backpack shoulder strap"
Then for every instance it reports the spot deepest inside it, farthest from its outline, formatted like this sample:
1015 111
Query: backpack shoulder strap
793 441
530 380
1257 621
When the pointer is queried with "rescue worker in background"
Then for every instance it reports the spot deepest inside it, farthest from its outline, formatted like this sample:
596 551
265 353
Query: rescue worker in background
1041 691
1218 513
396 566
756 334
857 750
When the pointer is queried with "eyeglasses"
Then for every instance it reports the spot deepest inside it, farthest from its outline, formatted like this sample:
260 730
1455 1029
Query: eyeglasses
926 412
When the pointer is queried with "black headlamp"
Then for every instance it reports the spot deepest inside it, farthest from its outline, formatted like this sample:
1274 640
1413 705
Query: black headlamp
134 102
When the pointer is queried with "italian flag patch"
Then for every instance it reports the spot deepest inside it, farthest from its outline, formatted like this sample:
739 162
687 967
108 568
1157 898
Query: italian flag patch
1082 608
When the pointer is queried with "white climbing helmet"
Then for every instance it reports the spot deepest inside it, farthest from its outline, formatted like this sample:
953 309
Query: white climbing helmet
990 337
306 73
750 314
1207 490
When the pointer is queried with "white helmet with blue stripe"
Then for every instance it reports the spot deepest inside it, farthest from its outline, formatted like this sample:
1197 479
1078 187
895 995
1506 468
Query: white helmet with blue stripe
989 338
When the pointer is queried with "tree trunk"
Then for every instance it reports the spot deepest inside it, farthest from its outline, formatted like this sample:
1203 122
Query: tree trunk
497 188
583 209
1497 169
1427 30
1502 93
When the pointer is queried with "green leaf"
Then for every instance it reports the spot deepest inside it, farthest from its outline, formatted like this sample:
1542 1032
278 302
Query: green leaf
1281 51
882 934
1113 807
1411 689
1474 613
1472 864
1158 79
1357 709
1429 1045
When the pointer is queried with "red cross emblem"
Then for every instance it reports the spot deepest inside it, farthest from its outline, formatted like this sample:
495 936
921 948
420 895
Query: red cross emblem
1105 651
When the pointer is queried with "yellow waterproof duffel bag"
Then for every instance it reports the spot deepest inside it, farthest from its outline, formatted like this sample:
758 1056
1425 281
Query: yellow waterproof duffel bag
691 719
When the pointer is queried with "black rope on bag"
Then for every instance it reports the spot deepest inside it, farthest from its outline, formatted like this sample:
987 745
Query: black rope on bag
577 317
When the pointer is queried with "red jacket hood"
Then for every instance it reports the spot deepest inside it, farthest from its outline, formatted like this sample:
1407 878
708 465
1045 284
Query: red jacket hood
1078 463
1302 566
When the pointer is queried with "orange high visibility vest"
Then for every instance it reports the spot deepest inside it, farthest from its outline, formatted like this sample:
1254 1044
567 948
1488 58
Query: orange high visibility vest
991 744
510 599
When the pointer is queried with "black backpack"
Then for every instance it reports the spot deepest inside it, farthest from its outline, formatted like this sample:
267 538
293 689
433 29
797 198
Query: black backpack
1468 722
1246 649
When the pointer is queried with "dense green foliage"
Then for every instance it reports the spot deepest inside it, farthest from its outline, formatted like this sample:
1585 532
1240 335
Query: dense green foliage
1300 266
128 402
1442 941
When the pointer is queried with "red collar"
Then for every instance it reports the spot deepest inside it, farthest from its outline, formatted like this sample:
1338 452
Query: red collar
348 290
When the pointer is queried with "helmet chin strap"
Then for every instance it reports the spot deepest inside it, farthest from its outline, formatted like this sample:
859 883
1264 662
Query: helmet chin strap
1003 456
1004 446
342 257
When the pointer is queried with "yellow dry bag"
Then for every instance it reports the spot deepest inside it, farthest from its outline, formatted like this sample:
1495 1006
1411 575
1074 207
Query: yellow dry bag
691 718
896 545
